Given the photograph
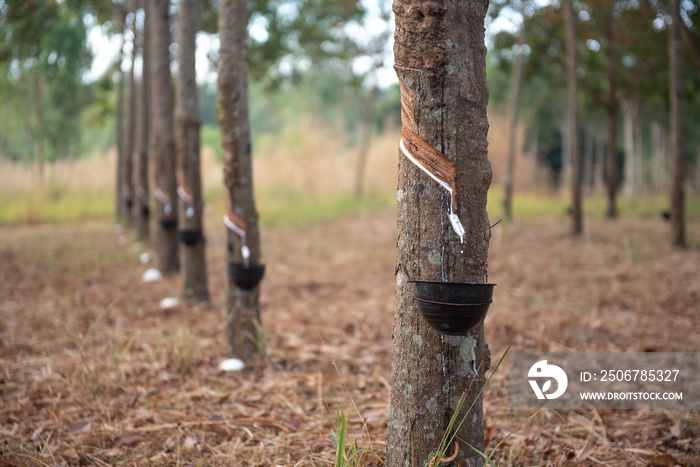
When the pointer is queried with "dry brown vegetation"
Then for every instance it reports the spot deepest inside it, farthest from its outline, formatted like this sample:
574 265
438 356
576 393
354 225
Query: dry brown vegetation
94 372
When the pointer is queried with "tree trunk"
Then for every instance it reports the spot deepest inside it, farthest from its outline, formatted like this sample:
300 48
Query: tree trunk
40 131
629 111
599 171
574 148
440 61
697 169
612 110
565 176
141 207
675 54
127 195
516 79
194 270
243 327
119 205
658 145
165 239
588 156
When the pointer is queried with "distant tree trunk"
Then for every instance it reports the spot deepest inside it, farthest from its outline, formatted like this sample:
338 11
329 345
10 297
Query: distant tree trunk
38 135
675 54
565 148
194 270
516 79
443 100
165 240
599 171
575 151
697 169
612 110
243 326
628 122
365 140
119 117
127 195
588 156
141 206
638 157
659 156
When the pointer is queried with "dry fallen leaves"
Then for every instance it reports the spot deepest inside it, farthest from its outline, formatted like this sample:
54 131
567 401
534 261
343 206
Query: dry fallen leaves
83 382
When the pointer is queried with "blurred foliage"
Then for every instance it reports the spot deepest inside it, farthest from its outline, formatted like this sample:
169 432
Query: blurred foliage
629 33
43 55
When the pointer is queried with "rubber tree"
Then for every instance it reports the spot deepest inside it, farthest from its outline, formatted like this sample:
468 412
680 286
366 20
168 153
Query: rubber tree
440 62
677 134
515 83
572 108
194 270
129 126
119 117
165 232
243 328
141 206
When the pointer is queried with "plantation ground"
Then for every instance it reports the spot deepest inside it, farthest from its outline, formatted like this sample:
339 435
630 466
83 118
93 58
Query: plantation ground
94 372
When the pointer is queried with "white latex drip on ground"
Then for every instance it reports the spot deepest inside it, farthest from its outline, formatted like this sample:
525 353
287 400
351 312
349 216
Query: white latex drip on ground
231 364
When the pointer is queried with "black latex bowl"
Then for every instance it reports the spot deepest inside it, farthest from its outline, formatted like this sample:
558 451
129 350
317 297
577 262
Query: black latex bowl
168 224
454 292
452 319
246 277
190 236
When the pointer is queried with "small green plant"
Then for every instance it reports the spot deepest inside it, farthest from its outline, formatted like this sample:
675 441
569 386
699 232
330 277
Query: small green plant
352 455
449 436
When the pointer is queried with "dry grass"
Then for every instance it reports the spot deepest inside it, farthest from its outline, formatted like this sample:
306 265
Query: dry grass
94 372
308 175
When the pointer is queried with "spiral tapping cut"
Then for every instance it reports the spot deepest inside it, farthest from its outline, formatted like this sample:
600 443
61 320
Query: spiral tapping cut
427 158
454 219
185 194
237 225
163 197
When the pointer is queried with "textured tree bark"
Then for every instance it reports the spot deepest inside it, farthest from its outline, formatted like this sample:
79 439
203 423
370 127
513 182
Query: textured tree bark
675 54
440 61
516 79
165 239
572 98
141 206
194 270
243 328
613 110
126 190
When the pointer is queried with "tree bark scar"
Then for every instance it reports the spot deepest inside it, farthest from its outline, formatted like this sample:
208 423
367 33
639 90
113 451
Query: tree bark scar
420 35
423 154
